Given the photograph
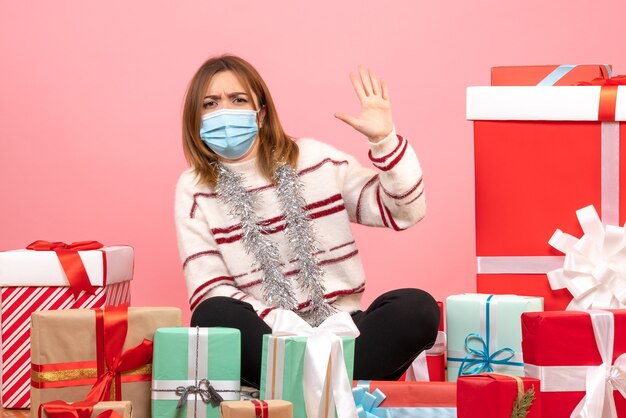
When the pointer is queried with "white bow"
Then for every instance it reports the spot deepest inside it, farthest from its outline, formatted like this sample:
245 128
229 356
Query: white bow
324 365
594 270
601 380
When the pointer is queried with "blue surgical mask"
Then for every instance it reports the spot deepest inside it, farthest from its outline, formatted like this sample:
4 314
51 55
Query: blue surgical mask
230 133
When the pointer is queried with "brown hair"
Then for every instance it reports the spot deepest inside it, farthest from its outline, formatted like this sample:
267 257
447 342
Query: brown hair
274 147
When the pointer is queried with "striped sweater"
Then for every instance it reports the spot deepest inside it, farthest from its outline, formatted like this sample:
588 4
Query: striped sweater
338 190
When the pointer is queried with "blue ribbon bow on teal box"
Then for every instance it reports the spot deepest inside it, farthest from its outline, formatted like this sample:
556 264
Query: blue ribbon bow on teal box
494 321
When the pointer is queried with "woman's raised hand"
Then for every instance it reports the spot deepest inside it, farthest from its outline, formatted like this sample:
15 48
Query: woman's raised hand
375 120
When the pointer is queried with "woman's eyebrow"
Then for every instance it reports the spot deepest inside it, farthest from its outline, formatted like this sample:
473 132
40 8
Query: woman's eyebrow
233 94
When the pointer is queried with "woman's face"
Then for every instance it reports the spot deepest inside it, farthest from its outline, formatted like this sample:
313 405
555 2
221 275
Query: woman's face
225 91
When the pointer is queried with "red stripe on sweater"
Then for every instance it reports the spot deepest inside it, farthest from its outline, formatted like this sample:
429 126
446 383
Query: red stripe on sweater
320 164
280 218
266 311
251 284
395 161
279 228
200 254
380 207
307 170
405 194
343 292
358 204
341 246
193 305
391 220
413 200
209 283
385 157
326 262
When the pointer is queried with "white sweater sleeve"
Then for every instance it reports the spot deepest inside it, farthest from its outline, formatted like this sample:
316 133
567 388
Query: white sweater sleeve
205 272
393 196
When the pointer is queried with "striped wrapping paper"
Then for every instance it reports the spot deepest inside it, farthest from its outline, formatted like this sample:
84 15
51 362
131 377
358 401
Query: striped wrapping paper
39 288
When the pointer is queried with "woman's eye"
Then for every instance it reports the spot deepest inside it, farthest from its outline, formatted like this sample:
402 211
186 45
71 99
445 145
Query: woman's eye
206 105
240 100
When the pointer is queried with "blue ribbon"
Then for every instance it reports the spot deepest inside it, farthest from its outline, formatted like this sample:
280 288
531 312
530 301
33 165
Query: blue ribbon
480 360
366 401
560 72
416 412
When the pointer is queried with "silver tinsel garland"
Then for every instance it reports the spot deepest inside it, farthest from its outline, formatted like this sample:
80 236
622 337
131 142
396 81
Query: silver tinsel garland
302 242
276 289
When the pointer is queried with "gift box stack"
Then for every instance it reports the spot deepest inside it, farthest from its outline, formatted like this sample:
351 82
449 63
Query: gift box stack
545 335
547 143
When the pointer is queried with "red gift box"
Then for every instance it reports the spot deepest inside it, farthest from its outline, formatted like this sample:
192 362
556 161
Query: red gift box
555 75
561 348
492 395
36 281
414 394
541 153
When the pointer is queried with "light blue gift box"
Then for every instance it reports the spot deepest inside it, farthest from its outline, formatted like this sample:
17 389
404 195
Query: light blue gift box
186 361
485 333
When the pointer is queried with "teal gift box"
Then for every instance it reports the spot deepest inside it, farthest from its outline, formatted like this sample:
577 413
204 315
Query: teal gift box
485 333
282 368
189 366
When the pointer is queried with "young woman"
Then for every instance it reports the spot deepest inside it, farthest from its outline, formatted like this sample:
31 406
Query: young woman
263 220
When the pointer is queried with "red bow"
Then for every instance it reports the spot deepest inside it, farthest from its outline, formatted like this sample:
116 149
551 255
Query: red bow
608 94
70 261
111 329
61 409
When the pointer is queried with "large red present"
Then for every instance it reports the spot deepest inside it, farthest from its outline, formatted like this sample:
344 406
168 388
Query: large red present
404 399
579 358
36 280
547 75
541 153
494 395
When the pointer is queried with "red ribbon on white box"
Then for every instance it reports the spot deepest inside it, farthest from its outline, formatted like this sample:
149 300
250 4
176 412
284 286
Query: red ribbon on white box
598 382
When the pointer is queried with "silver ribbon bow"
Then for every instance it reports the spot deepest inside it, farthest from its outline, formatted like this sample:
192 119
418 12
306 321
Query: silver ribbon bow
207 393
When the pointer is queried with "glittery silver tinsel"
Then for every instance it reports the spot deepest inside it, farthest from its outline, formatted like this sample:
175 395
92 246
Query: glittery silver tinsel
231 191
302 242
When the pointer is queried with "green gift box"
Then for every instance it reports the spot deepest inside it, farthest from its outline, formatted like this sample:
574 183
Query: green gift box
485 333
190 365
283 369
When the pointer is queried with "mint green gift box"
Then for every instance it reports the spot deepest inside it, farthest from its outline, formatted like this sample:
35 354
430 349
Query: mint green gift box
282 368
485 332
183 357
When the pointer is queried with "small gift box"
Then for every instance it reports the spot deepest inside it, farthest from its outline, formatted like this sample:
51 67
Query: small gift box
547 75
193 370
96 355
257 409
51 276
494 395
485 333
541 153
301 362
580 358
61 409
389 399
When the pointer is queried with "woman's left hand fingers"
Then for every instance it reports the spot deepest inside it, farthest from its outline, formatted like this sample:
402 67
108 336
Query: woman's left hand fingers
365 79
374 81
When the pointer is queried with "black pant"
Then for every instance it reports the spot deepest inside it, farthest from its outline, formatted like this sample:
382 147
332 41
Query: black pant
396 327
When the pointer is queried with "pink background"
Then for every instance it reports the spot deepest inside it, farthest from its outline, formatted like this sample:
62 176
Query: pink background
91 96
